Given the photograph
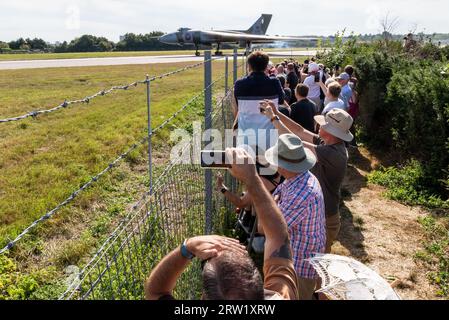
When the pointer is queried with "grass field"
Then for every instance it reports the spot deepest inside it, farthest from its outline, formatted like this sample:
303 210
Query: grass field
43 160
82 55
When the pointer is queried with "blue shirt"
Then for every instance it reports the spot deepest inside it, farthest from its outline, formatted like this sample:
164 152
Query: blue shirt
254 127
346 94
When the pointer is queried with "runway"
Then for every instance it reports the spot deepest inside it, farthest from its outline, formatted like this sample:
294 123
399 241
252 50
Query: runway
115 61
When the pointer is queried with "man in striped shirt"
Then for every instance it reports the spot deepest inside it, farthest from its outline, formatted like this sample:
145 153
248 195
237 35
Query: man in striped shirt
301 201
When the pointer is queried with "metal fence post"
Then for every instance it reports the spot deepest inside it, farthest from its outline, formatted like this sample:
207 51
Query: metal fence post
150 132
226 74
235 65
207 127
223 113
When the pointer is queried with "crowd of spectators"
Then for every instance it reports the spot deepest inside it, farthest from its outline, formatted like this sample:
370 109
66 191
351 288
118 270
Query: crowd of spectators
295 120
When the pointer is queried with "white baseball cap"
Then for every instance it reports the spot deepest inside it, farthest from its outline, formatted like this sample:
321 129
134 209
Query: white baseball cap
313 67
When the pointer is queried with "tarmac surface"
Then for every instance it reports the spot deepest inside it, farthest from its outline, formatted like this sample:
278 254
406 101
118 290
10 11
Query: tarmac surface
114 61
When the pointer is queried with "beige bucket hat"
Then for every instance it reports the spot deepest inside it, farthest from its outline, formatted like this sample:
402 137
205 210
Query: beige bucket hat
338 123
289 154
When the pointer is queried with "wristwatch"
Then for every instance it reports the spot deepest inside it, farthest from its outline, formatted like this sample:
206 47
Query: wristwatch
186 253
275 118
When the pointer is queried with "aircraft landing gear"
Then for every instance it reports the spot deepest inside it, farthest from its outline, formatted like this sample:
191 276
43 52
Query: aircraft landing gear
248 49
218 52
197 52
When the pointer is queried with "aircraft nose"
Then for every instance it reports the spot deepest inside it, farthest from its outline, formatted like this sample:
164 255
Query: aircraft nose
169 38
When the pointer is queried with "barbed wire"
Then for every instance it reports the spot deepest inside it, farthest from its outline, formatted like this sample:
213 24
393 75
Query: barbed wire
110 166
87 99
127 220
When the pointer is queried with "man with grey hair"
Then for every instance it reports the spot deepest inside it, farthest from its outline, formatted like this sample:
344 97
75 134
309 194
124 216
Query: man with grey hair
346 91
228 271
332 158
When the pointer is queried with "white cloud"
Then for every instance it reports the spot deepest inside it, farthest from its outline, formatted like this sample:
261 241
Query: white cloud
73 19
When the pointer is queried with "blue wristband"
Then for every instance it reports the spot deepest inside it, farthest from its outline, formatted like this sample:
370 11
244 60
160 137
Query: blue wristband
186 253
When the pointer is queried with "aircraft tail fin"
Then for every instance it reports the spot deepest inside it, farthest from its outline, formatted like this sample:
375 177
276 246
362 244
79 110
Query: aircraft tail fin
260 27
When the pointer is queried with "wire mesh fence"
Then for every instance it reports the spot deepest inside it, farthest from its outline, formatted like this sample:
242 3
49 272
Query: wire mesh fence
173 211
101 93
215 85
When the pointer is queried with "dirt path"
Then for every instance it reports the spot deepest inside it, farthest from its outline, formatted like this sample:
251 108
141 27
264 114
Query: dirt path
381 233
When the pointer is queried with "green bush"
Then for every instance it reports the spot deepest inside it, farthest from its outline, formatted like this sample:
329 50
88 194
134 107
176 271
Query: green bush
15 285
404 102
407 184
418 97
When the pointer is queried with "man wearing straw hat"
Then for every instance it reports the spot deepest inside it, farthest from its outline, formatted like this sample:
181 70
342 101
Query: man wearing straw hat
332 157
301 202
228 271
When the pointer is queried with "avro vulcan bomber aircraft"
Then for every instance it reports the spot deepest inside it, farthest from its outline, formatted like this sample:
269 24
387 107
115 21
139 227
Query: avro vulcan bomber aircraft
245 38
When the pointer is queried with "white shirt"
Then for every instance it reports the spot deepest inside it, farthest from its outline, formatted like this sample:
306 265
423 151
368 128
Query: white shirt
334 105
314 87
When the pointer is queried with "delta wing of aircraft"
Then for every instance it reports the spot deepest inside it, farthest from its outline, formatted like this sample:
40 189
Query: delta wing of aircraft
244 38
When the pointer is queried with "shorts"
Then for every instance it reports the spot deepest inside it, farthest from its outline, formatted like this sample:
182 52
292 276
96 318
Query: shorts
333 225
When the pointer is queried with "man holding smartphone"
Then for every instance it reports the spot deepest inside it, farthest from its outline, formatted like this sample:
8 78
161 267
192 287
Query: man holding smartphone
313 82
229 273
332 157
253 127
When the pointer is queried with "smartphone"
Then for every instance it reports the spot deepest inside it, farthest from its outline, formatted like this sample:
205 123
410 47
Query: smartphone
317 77
262 106
214 159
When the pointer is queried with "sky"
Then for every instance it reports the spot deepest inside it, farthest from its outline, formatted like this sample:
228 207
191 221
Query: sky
67 19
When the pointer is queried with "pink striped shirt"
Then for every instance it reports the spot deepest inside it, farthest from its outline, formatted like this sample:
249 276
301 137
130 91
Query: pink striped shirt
302 204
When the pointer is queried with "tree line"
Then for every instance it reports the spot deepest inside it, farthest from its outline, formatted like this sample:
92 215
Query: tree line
146 42
89 43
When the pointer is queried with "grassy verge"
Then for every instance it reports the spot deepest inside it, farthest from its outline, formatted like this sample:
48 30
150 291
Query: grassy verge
43 160
407 184
436 252
84 55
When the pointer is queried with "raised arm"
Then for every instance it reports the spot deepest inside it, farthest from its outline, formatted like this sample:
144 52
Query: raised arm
323 86
162 279
240 202
277 243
